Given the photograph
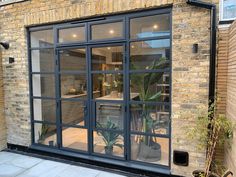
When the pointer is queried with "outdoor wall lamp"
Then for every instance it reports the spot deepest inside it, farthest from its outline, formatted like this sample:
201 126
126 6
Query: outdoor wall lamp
5 45
195 48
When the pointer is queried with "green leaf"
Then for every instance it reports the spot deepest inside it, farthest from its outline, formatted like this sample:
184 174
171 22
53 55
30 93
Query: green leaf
155 96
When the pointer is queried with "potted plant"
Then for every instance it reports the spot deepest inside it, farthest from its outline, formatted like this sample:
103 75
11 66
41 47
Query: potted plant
209 131
149 149
42 134
110 138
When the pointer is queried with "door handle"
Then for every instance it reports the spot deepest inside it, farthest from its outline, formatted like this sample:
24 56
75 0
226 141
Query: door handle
85 110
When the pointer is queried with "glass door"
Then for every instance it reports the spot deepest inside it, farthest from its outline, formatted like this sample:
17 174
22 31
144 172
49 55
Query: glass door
103 88
73 93
108 100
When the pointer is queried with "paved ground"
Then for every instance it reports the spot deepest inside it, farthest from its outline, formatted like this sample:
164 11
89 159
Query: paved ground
16 165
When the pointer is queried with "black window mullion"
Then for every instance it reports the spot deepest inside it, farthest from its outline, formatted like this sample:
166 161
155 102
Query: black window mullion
127 150
57 90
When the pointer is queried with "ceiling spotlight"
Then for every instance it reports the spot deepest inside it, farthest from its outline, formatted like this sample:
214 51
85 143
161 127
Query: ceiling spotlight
132 46
74 35
155 26
111 31
108 48
5 45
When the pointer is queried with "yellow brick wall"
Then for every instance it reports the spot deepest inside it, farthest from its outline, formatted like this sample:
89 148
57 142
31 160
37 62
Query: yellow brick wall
190 72
2 116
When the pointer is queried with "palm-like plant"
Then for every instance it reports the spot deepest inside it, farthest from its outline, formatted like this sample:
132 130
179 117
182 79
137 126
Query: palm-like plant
143 83
110 138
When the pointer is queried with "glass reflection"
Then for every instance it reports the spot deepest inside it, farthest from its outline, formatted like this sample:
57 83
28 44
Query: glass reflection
45 134
75 138
43 85
107 58
107 31
150 118
153 54
72 34
109 143
42 38
150 149
42 60
150 26
108 86
150 87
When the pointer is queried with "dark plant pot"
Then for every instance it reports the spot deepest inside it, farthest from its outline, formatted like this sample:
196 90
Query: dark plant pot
150 153
135 150
198 173
108 150
51 143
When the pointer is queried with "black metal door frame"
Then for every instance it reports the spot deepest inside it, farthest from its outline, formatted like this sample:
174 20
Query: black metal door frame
88 44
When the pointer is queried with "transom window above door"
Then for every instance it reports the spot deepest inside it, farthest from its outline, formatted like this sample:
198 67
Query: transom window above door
102 87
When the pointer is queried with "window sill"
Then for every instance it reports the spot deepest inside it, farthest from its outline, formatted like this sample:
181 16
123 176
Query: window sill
10 2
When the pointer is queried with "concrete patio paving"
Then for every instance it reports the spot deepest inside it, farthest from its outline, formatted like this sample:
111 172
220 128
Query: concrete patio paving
17 165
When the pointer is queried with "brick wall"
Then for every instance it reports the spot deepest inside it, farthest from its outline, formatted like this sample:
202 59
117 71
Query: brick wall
2 117
190 71
230 157
222 69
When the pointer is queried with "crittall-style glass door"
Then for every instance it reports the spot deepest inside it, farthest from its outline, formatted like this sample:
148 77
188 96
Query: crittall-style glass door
101 88
108 99
73 98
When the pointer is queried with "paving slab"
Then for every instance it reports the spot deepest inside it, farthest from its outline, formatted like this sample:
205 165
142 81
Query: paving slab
74 171
45 168
7 170
17 165
106 174
7 157
24 161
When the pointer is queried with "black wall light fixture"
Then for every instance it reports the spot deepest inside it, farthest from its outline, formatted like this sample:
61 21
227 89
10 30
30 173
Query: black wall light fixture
195 48
5 45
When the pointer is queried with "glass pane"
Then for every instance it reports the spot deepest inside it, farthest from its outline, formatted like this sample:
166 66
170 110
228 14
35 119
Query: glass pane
73 86
73 60
75 138
150 149
42 38
72 34
229 9
45 134
109 116
150 118
42 60
153 54
45 110
107 58
109 143
43 85
108 86
73 112
150 87
151 26
107 31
